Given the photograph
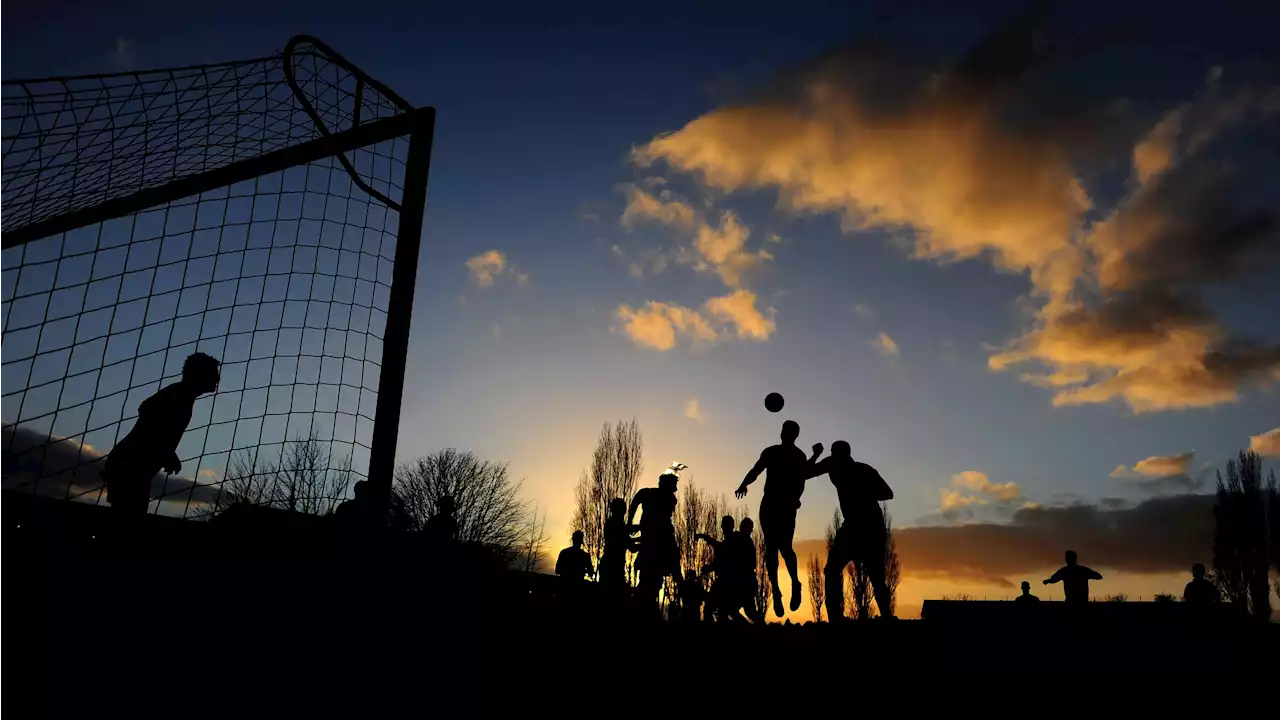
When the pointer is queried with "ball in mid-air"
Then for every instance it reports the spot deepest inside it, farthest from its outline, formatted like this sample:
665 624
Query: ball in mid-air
773 402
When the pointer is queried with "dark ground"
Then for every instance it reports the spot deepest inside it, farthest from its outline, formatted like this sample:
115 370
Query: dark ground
184 617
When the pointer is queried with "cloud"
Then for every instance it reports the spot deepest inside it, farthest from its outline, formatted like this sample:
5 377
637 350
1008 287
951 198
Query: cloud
56 467
719 248
693 410
738 311
1267 444
1161 473
659 325
952 500
661 208
722 249
885 345
962 164
1159 466
488 266
979 482
1159 535
981 491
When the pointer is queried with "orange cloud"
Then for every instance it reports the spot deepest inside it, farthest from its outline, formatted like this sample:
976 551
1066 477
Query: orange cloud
933 161
738 310
719 248
659 325
1158 466
488 266
693 410
885 345
979 482
955 500
981 491
663 208
1267 444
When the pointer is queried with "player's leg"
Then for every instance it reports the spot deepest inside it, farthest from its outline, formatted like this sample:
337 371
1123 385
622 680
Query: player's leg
769 529
833 574
788 531
871 553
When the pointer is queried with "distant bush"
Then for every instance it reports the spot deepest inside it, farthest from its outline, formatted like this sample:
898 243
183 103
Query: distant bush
1165 598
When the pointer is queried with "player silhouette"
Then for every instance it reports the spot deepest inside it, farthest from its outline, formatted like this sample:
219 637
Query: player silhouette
1026 596
723 565
1075 580
783 487
441 529
617 541
861 537
574 563
744 586
658 557
1200 592
151 446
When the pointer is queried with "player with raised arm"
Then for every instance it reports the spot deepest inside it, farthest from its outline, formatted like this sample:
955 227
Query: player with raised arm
783 486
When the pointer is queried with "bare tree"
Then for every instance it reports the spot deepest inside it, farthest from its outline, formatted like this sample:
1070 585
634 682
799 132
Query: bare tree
305 477
892 566
764 588
533 544
817 588
616 465
488 508
698 513
1241 547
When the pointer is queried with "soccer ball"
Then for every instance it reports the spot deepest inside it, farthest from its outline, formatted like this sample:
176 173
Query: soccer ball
773 402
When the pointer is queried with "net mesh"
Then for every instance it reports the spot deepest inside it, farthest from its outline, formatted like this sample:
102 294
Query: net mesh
72 143
285 278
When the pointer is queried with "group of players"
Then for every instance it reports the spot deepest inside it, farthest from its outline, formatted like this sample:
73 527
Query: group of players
860 538
152 443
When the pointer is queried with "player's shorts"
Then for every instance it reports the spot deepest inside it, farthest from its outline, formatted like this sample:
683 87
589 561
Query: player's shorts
130 491
778 521
858 542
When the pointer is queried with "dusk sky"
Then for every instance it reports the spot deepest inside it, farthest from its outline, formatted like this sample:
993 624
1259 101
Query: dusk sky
1024 291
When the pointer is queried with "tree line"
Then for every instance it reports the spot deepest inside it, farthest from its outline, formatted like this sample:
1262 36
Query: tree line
306 475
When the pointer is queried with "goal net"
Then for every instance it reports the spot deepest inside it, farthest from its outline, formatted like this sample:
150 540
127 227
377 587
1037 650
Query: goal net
265 212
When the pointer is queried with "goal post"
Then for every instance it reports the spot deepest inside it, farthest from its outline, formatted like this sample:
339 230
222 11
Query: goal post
267 212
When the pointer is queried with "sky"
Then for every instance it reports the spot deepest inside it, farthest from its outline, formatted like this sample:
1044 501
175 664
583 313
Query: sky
1035 294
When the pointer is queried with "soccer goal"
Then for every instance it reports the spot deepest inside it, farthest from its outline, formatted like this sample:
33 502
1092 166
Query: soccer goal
267 212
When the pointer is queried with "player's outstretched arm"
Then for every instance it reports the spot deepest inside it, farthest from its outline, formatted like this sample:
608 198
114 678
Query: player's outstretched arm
754 473
814 469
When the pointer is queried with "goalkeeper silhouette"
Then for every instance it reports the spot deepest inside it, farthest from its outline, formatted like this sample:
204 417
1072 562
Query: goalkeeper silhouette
151 446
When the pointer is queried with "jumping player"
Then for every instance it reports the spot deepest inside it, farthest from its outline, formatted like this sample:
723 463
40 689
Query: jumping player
783 487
